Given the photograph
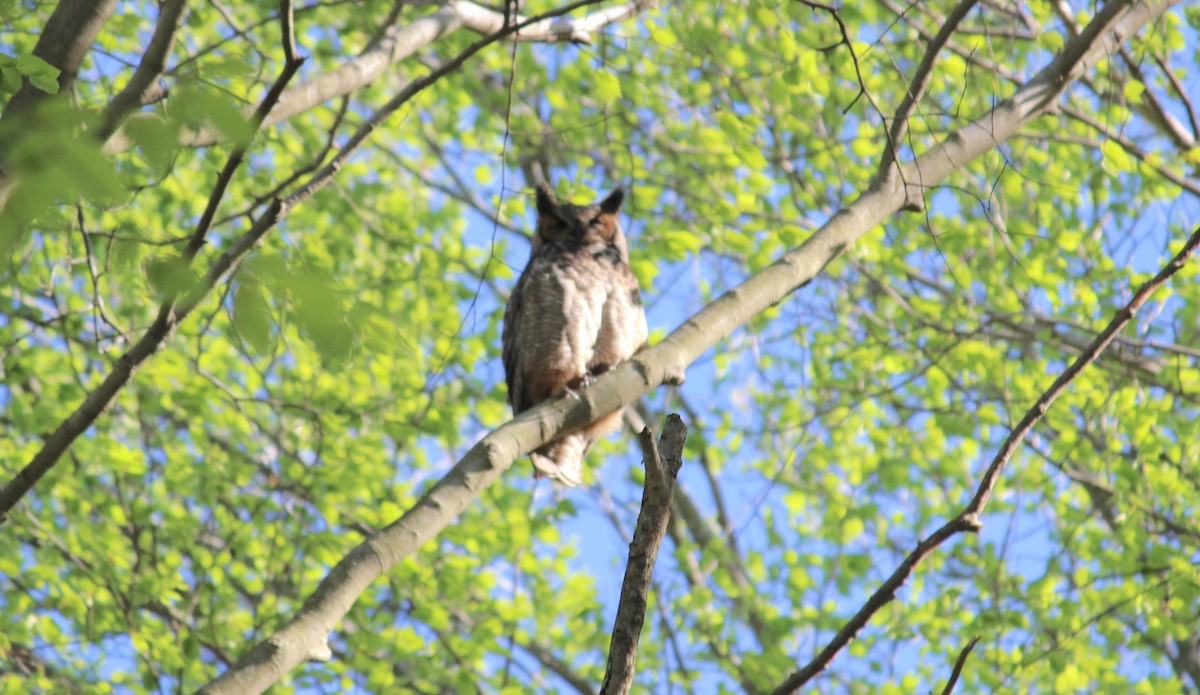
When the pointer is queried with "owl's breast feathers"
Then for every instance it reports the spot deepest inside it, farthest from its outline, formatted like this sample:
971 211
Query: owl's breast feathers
575 312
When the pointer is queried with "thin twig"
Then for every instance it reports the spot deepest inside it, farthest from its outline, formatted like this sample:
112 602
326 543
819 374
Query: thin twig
918 85
958 666
1181 92
968 518
140 87
98 308
837 17
663 462
558 667
290 67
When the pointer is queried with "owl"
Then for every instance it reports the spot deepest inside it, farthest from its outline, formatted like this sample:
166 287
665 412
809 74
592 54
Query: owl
575 312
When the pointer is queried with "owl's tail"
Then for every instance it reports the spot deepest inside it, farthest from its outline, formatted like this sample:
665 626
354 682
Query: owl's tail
562 459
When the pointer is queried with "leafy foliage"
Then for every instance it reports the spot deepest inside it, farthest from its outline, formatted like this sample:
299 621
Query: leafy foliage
353 356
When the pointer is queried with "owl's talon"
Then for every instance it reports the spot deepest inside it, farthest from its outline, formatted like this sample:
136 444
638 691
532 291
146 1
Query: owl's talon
582 381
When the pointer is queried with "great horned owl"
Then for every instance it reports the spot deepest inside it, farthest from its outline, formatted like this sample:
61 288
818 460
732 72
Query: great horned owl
575 313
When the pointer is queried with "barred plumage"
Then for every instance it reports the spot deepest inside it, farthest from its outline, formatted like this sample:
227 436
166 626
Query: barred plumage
575 312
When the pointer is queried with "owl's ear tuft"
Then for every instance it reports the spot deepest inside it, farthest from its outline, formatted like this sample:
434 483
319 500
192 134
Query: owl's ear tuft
612 203
547 201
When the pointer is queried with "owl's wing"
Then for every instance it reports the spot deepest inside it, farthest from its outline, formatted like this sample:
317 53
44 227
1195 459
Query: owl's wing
511 344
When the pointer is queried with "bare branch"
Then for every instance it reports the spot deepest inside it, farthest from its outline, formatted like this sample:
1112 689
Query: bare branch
919 83
968 518
397 44
154 63
958 666
662 468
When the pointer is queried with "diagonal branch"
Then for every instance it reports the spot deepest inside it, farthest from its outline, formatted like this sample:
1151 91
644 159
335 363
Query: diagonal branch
64 43
151 68
170 313
918 85
958 666
557 666
968 518
399 43
1093 351
305 634
662 468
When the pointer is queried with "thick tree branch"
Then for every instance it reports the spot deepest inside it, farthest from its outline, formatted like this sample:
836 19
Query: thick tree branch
662 468
64 43
968 518
304 636
918 84
398 43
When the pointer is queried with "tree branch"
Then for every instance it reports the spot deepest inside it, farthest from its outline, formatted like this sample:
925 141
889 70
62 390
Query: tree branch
918 85
304 635
958 666
149 70
398 43
968 518
662 468
169 314
557 666
66 40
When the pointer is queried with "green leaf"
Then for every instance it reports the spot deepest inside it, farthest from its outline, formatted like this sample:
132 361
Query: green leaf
170 275
1133 91
156 138
196 106
252 316
31 65
606 87
46 83
319 313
